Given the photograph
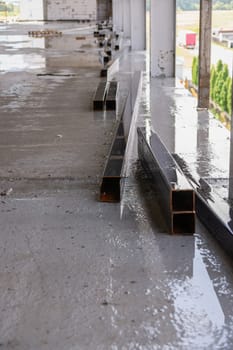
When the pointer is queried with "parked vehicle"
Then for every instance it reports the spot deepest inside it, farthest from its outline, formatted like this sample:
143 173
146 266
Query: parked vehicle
187 39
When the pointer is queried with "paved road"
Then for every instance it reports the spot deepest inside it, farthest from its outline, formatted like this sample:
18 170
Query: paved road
226 55
217 52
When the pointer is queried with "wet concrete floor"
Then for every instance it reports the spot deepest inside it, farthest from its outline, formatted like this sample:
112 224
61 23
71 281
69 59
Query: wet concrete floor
76 273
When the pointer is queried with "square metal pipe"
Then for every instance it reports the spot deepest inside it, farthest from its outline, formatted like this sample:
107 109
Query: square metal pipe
176 196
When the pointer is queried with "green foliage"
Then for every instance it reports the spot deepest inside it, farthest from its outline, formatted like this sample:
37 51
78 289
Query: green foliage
221 87
218 87
220 84
8 9
189 5
223 5
219 66
229 97
3 8
213 77
195 70
225 72
219 81
223 96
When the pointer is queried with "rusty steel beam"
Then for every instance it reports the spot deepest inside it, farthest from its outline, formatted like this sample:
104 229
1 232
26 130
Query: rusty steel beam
99 97
111 97
110 189
114 173
176 196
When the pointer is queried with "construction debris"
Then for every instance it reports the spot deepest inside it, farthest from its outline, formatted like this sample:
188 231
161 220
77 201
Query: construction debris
80 38
44 33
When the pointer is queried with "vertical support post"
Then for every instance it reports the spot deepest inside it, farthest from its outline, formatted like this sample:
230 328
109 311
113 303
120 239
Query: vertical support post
163 38
204 53
138 24
121 14
109 9
231 149
126 18
45 12
114 13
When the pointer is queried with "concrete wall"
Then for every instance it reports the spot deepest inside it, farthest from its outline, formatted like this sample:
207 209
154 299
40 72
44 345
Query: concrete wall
163 38
71 9
32 10
104 9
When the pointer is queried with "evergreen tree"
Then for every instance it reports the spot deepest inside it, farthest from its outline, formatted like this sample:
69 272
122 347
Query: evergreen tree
213 77
219 66
218 88
229 97
225 72
195 4
218 82
223 96
195 70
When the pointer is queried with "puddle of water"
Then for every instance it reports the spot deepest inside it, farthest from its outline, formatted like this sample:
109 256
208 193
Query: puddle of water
13 63
22 41
198 314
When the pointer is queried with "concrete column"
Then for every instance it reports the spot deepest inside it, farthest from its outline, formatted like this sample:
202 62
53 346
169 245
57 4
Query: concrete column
45 12
231 151
121 14
118 15
138 24
114 13
163 38
126 18
204 53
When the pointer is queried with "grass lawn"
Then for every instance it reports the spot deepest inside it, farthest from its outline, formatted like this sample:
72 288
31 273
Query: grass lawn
190 20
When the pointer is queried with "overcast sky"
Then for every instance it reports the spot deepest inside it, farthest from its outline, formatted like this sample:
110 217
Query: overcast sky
11 1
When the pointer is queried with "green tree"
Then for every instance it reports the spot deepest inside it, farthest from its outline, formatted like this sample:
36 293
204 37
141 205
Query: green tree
218 88
187 5
218 82
224 76
194 64
225 72
223 96
219 66
213 77
229 97
195 69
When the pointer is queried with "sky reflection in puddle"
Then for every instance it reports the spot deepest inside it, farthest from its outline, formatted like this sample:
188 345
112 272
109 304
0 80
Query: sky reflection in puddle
13 63
19 61
21 41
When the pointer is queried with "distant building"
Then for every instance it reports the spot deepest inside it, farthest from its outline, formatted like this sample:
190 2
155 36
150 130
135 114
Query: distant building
223 36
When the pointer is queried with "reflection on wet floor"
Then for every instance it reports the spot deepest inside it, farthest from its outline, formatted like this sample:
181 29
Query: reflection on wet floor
80 274
14 42
197 294
199 142
52 51
12 63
